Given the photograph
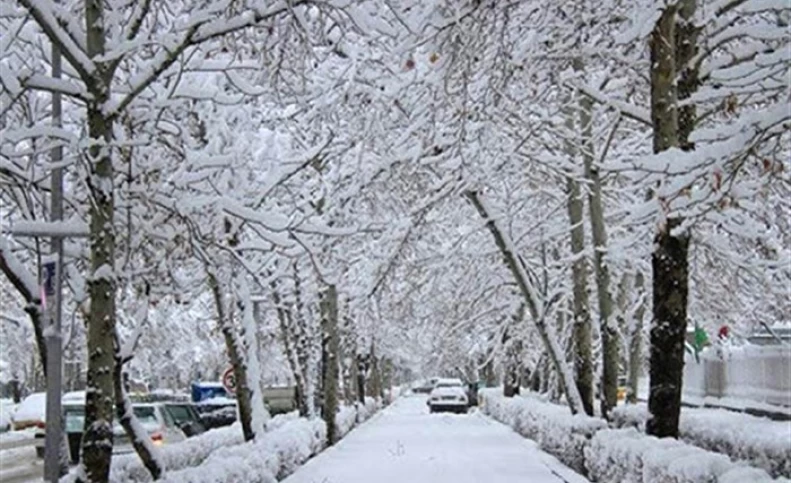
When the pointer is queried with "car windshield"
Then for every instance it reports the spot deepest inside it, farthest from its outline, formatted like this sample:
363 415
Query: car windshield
445 384
146 415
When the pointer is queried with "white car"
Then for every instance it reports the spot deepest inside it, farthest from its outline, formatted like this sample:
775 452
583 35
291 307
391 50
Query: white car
448 395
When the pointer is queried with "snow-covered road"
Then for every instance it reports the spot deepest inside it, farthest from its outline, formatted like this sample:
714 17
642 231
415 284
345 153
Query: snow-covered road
404 443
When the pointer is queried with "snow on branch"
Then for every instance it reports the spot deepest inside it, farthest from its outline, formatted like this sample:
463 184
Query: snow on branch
628 110
205 26
537 305
43 11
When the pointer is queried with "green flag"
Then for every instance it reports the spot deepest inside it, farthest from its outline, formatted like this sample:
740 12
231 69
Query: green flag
700 339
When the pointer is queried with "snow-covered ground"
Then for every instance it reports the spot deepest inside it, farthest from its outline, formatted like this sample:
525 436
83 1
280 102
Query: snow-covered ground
19 464
404 443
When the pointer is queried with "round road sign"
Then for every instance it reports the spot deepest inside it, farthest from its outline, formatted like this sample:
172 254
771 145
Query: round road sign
229 380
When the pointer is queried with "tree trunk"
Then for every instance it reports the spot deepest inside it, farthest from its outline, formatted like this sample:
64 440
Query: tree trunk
303 346
375 379
236 356
536 305
10 265
97 441
137 434
258 412
669 259
635 340
608 330
284 323
513 353
361 370
330 343
581 330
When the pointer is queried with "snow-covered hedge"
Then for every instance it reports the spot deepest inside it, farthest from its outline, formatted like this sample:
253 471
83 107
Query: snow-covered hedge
607 455
761 442
268 459
288 442
628 455
350 416
191 452
550 425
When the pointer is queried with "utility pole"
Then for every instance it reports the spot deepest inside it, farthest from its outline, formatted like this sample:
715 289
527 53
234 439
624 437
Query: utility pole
53 335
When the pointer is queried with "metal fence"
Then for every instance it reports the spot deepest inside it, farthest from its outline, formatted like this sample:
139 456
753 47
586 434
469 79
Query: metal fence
760 374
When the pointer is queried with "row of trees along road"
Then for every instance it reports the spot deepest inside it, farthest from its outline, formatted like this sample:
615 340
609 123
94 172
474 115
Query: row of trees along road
341 194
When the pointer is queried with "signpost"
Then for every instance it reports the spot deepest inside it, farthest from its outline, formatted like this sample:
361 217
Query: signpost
229 380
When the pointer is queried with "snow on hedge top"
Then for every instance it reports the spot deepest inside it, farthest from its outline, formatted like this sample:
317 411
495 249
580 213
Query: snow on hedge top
760 441
628 455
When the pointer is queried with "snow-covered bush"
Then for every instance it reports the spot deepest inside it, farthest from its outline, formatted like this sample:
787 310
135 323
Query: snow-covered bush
550 425
268 459
630 456
761 442
191 452
289 441
350 416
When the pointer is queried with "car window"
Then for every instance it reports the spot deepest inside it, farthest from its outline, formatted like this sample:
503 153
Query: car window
180 414
74 418
169 422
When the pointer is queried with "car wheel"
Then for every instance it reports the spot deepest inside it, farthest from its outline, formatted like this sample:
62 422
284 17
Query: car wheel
40 452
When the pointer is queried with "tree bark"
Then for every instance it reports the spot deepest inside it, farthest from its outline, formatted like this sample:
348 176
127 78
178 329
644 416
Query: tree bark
607 328
513 353
284 323
330 347
139 436
581 329
536 306
362 369
236 356
669 259
375 379
97 441
33 308
635 340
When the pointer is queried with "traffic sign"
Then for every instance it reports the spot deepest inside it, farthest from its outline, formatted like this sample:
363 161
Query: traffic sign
229 380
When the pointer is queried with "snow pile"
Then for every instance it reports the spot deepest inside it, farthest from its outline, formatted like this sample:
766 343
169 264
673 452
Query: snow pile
550 425
761 442
628 455
269 458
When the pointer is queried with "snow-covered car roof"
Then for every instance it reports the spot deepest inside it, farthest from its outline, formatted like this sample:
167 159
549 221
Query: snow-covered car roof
32 408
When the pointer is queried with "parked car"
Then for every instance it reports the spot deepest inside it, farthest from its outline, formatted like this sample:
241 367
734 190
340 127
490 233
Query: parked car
31 412
217 412
168 423
448 395
422 387
165 423
73 420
